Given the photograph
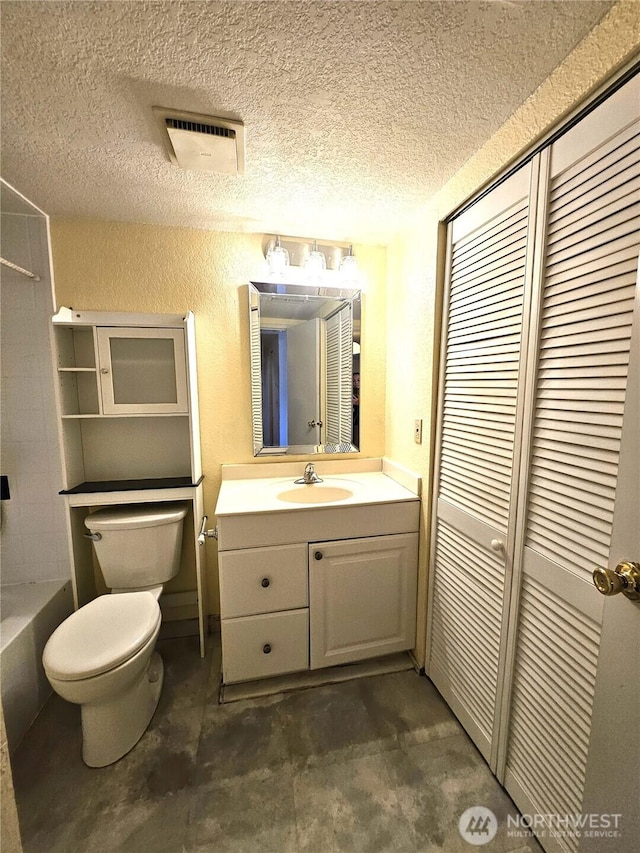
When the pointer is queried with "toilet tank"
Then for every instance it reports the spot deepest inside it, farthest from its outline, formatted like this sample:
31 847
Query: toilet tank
139 544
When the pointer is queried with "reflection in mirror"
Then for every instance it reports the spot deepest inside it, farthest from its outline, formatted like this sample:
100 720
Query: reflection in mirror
305 369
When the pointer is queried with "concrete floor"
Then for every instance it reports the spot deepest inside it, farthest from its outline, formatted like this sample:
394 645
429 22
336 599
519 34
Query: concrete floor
376 764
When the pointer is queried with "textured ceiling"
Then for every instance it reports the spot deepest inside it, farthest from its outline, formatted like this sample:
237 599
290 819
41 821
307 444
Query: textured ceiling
355 112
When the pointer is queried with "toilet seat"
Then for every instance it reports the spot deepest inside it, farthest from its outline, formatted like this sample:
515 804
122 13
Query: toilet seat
101 635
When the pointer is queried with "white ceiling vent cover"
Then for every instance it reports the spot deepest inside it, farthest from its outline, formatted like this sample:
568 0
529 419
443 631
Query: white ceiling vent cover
203 143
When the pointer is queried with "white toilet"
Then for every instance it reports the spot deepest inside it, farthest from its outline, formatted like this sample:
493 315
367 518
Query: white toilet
102 657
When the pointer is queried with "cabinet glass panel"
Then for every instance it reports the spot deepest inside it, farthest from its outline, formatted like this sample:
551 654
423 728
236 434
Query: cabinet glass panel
143 370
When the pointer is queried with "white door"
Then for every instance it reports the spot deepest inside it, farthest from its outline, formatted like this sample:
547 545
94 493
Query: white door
362 598
338 377
478 449
573 656
303 382
613 764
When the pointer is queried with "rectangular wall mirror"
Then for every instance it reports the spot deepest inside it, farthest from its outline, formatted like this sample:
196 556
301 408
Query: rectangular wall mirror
305 369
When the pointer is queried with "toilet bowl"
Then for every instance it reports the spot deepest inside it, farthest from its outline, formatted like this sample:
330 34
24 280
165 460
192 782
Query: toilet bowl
102 657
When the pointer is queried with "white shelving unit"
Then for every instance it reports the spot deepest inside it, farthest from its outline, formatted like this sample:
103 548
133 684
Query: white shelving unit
129 426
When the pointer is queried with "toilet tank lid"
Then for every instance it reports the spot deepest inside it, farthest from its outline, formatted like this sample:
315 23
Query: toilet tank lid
101 635
135 516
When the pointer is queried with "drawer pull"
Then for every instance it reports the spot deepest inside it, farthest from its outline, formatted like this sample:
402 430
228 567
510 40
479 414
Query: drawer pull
265 582
266 649
318 555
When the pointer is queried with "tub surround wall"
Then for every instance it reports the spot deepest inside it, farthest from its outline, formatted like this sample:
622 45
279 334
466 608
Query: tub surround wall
416 257
34 543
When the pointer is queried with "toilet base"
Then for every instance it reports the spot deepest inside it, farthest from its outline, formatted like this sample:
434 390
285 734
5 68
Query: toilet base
110 729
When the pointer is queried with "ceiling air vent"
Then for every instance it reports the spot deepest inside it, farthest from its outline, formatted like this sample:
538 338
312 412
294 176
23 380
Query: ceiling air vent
203 143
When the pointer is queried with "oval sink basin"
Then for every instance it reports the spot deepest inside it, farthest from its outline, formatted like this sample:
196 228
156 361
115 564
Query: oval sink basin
317 493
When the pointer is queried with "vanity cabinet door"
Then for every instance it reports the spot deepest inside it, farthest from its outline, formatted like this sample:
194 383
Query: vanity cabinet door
362 597
260 646
263 580
142 371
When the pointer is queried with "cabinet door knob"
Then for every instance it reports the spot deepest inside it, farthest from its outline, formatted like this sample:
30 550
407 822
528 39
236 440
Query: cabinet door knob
266 649
265 582
318 555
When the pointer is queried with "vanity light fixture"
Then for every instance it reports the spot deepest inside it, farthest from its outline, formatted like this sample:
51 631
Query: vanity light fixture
296 260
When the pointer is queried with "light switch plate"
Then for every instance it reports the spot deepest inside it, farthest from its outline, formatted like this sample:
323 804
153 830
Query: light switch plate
417 431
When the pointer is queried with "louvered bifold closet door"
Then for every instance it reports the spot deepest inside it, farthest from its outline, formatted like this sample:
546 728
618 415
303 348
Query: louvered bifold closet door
339 377
588 272
490 261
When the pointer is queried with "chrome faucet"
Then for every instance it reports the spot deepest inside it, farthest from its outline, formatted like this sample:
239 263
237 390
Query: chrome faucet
309 477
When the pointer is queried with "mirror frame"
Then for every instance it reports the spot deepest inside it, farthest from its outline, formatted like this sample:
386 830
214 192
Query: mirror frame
255 288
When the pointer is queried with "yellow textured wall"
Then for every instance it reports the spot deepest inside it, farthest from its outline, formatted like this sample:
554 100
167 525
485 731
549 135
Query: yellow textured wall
113 266
416 258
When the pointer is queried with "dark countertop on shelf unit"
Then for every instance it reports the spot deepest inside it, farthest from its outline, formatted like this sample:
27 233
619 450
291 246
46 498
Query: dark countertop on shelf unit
132 485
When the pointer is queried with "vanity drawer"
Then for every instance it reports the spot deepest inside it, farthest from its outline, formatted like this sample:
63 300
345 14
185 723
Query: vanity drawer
263 580
260 646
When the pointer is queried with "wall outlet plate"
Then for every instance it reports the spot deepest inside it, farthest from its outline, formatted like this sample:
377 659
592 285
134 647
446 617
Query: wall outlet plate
417 431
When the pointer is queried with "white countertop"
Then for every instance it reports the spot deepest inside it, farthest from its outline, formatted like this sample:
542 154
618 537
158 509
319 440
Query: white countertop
259 495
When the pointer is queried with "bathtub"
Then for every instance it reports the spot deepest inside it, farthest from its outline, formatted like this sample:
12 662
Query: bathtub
29 613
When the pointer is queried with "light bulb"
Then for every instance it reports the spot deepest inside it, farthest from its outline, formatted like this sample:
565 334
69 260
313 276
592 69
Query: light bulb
315 263
349 268
277 259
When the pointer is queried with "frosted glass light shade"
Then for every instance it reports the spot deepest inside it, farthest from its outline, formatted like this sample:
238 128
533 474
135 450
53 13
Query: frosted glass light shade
349 268
315 263
277 259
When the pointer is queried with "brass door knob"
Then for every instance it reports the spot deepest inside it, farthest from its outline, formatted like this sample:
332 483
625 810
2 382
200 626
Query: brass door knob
625 578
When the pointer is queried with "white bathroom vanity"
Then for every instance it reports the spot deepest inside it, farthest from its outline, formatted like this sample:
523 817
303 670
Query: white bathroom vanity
315 575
